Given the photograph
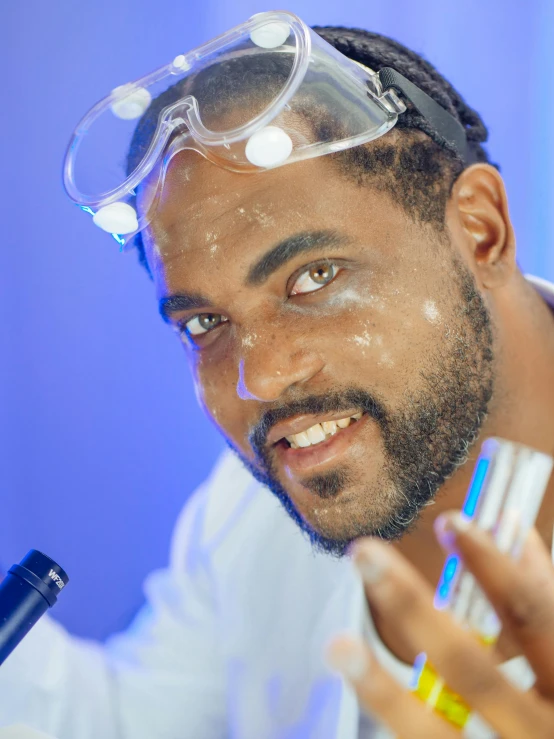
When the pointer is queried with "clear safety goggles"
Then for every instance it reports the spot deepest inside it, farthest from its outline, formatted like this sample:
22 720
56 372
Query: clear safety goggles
294 97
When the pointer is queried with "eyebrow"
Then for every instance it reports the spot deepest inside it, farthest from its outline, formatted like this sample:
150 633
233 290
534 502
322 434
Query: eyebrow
181 301
300 243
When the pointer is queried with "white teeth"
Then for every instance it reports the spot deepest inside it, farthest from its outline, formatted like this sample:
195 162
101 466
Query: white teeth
316 434
330 427
302 439
319 432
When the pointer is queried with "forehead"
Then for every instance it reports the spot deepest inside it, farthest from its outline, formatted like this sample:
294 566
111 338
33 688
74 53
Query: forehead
206 213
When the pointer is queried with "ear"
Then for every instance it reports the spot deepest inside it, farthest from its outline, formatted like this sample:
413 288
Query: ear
480 203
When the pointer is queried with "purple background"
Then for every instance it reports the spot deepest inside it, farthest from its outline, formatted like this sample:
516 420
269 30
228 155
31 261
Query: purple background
101 441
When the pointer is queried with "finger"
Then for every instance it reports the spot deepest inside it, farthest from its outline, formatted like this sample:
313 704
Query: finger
379 694
522 593
405 601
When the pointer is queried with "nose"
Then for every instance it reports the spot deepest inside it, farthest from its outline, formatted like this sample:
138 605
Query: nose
268 369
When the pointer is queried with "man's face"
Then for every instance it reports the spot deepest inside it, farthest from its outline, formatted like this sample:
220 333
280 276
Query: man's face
341 349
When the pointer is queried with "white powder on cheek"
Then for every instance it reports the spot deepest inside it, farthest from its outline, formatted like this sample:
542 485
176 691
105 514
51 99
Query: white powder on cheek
431 312
385 360
365 340
362 339
350 296
248 340
320 513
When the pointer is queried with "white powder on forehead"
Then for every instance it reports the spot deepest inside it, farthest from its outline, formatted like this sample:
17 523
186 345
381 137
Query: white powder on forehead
431 312
263 218
211 238
256 214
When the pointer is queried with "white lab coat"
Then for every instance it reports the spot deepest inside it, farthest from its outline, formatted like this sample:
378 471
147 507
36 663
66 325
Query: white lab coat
229 646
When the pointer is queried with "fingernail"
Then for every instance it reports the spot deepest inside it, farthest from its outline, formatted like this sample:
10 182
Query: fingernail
449 525
371 560
348 657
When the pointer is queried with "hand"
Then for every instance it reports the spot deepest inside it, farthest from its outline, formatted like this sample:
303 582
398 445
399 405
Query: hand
522 594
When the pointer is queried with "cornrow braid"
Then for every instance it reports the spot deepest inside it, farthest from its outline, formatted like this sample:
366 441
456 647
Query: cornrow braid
412 163
376 51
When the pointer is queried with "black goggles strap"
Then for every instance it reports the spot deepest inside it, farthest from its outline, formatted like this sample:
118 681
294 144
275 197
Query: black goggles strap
445 124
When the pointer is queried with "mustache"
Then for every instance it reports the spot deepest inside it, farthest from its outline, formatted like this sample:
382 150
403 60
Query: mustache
316 405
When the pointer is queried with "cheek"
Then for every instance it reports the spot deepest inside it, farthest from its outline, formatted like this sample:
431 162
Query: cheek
215 384
384 341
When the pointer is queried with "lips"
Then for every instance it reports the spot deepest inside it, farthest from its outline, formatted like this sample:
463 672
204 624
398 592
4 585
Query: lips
320 432
303 423
301 460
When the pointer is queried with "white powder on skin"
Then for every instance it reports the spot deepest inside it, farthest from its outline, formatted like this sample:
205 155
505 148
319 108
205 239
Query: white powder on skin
350 296
256 215
385 360
264 219
431 312
248 340
319 513
211 238
362 340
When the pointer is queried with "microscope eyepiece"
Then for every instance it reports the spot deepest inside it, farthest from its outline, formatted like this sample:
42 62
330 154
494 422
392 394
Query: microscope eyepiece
26 593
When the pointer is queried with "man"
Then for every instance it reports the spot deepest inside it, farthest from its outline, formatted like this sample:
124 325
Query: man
354 323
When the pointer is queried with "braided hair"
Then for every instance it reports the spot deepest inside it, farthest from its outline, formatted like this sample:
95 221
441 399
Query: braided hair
412 163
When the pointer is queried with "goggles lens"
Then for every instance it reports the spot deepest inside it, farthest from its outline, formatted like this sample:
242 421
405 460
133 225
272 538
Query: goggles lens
264 94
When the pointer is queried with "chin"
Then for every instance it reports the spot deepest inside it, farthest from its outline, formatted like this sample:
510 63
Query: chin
333 522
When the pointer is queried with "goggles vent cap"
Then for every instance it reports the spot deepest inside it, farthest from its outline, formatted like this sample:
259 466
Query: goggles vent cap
268 147
131 102
270 35
119 218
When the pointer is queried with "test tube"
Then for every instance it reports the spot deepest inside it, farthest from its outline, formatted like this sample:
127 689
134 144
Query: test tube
504 497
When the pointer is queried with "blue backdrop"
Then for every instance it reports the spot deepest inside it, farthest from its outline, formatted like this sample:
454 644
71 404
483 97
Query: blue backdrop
101 441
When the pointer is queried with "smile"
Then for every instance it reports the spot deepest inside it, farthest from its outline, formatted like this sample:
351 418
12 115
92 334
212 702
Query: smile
302 445
320 432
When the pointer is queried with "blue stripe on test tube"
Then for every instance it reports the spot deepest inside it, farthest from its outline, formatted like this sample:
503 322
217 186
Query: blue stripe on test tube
476 487
451 565
445 583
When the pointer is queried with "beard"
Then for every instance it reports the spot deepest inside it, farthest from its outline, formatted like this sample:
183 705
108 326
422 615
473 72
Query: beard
424 441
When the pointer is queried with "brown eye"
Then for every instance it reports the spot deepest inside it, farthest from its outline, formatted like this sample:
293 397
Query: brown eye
322 274
203 323
315 278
